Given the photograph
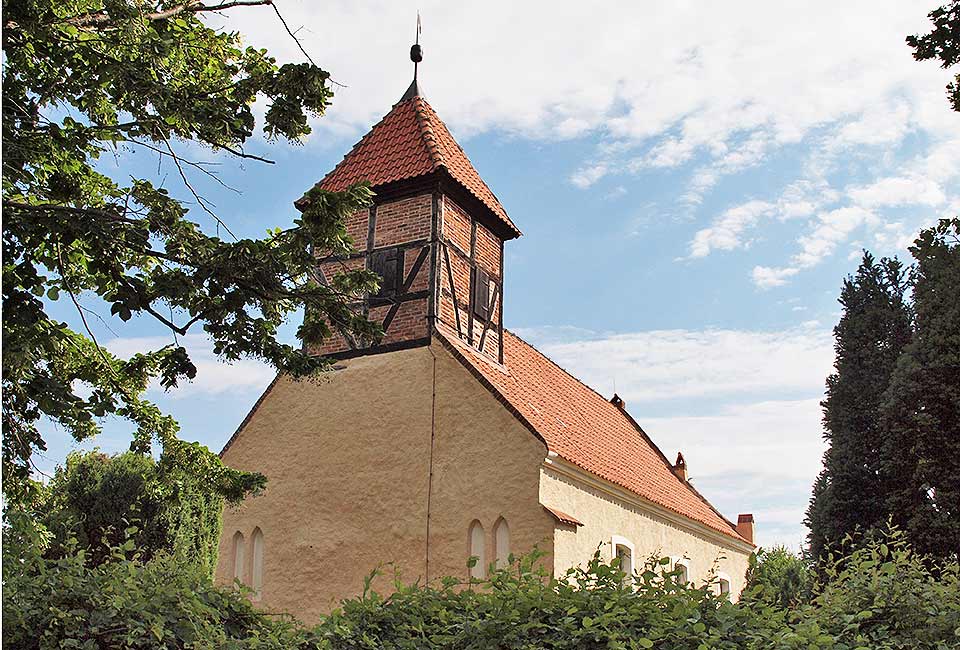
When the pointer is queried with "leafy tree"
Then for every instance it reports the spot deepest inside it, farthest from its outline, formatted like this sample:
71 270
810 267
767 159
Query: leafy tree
942 43
873 330
85 77
96 503
778 577
921 409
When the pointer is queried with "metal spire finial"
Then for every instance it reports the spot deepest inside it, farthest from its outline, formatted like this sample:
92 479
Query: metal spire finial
416 52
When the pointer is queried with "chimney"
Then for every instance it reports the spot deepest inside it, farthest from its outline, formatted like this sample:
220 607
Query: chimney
617 401
745 527
680 468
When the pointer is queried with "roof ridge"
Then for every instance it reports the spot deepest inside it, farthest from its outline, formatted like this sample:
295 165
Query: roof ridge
434 115
426 132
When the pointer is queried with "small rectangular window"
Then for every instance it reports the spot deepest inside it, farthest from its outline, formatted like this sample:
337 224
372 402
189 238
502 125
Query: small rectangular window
481 294
388 264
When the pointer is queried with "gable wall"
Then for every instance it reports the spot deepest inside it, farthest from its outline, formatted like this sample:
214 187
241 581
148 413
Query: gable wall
348 464
605 515
486 466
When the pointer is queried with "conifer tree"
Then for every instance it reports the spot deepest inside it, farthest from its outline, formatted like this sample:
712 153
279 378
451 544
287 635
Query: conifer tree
921 408
873 330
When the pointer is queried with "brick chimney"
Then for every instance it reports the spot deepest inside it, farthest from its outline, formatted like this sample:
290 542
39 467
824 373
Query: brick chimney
680 468
745 526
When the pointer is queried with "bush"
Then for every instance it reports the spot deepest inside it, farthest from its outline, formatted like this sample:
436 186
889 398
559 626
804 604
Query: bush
778 577
95 499
879 596
124 602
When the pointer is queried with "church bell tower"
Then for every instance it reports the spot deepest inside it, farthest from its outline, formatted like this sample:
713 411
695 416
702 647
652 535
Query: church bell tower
435 235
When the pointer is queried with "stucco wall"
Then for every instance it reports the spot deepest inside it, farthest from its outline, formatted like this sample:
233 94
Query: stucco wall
604 515
348 462
485 467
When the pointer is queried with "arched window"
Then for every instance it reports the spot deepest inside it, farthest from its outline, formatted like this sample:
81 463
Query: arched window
501 533
477 543
257 582
683 571
724 586
623 552
239 556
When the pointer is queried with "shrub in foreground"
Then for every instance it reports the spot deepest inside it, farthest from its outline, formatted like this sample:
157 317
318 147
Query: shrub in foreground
880 596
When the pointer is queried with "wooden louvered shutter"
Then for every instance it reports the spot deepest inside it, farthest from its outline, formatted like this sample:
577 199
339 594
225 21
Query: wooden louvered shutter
481 294
388 264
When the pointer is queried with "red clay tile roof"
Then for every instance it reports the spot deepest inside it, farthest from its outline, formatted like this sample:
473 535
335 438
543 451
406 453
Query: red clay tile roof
411 141
584 428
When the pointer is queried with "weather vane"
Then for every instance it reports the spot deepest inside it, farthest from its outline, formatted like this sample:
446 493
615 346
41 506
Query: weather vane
416 52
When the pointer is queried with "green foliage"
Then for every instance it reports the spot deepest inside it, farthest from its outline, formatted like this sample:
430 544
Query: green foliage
86 77
921 409
778 577
872 332
70 602
942 43
880 596
97 502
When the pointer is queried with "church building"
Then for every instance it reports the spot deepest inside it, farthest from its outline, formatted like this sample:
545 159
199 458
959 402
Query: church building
451 437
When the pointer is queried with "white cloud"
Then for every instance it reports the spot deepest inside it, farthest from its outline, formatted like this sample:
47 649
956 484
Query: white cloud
898 190
214 377
767 277
833 227
742 406
587 176
725 233
668 364
705 75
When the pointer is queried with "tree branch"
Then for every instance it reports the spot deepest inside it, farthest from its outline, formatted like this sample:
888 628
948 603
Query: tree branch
69 209
194 6
200 200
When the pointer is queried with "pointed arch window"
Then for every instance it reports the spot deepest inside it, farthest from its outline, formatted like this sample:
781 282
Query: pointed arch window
501 534
239 556
683 570
257 582
477 543
623 553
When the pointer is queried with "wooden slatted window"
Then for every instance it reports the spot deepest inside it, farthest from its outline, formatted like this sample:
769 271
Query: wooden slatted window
481 294
388 264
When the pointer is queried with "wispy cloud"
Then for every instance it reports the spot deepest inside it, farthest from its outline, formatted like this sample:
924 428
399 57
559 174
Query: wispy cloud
742 406
727 230
670 364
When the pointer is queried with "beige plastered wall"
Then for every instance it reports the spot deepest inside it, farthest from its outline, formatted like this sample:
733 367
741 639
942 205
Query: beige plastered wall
349 462
604 515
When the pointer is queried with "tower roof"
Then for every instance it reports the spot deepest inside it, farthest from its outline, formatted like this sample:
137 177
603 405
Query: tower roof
411 142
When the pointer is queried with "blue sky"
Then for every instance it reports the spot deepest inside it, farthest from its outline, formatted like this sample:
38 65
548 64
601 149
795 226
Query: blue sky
692 182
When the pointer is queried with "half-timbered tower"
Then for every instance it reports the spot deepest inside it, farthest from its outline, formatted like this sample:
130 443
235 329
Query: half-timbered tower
435 234
451 437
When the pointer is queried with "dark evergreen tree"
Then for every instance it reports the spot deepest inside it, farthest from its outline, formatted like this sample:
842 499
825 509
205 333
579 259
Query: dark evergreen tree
921 410
942 43
873 330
